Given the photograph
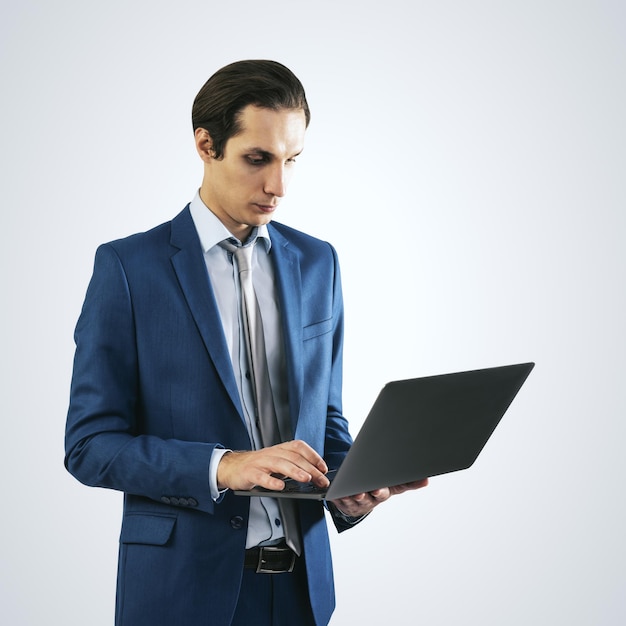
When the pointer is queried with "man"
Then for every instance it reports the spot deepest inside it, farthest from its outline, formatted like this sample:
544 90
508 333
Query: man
165 399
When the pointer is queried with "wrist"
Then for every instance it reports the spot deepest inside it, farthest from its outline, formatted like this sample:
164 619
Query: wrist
219 467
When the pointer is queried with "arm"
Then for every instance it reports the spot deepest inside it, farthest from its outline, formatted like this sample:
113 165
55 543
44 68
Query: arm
113 437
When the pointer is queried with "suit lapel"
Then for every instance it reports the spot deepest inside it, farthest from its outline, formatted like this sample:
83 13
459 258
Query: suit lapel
190 269
289 283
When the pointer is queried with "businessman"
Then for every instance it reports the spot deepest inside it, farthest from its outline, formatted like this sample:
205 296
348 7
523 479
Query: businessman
208 358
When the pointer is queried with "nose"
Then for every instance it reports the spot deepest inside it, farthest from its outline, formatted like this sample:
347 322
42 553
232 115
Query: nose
276 181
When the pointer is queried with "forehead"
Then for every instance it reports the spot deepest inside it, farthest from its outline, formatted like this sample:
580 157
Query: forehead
279 131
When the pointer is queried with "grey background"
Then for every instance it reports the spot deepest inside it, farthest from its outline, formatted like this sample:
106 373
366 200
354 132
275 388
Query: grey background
476 147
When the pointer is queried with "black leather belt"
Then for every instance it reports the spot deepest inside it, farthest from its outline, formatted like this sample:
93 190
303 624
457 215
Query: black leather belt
270 559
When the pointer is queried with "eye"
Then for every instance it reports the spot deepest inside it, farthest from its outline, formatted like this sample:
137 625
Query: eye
254 159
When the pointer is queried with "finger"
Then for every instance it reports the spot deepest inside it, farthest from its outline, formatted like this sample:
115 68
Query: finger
356 499
312 457
269 481
283 461
380 495
305 458
417 484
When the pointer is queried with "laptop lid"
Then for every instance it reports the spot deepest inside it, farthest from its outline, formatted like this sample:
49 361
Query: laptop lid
419 428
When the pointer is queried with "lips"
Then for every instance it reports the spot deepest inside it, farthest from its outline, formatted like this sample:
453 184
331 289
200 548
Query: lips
266 208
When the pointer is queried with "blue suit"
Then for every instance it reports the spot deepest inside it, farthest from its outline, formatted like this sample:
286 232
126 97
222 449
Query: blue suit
153 393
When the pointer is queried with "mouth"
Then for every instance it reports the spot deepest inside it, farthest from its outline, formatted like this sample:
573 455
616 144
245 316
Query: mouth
266 208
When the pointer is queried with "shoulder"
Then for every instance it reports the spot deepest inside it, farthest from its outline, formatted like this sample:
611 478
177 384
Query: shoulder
157 240
299 242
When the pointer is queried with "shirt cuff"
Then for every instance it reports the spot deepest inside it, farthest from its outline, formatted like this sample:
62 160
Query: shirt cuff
216 457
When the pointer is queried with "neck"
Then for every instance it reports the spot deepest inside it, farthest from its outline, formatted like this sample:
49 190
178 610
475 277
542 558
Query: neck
240 231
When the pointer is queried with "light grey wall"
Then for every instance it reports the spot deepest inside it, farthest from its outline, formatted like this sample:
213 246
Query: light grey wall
476 146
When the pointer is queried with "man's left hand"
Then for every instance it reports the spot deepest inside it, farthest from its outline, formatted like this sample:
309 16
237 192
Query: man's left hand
362 503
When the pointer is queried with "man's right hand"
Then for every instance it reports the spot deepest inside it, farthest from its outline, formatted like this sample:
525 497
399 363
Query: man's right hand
293 459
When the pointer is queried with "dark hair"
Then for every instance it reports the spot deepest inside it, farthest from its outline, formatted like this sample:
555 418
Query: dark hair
265 84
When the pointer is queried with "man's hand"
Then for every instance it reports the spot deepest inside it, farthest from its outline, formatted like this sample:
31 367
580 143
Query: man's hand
362 503
293 459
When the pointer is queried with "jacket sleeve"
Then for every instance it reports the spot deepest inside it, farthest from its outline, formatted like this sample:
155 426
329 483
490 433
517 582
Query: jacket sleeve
338 439
105 442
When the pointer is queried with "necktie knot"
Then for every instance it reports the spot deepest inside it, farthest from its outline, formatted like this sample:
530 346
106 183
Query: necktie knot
243 254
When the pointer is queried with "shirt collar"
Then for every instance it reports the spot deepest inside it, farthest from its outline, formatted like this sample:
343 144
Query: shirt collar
211 230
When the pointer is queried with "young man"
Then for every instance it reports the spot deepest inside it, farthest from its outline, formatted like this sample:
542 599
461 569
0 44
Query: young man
166 400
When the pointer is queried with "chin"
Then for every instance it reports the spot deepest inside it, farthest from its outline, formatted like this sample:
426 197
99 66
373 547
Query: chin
262 219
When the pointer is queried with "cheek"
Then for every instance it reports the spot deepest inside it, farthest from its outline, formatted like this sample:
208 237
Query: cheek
241 184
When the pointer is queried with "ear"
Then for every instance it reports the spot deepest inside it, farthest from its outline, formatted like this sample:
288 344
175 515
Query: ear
204 144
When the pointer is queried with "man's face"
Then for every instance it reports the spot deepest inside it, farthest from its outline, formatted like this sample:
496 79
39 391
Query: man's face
244 188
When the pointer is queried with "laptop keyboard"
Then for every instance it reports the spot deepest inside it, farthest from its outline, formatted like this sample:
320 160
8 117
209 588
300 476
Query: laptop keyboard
293 486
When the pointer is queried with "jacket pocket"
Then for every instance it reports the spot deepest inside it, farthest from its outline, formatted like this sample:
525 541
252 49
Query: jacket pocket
147 529
317 329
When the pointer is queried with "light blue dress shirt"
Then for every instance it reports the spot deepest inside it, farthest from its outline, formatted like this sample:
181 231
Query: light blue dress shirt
265 525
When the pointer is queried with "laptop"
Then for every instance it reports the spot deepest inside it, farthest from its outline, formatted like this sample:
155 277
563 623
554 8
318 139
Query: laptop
418 428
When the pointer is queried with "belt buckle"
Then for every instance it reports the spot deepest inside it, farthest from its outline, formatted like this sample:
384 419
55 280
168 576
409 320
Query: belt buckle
261 565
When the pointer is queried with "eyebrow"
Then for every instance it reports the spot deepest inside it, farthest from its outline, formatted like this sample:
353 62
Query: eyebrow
260 152
266 153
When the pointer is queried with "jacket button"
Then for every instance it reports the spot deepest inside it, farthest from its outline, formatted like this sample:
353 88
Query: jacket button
236 522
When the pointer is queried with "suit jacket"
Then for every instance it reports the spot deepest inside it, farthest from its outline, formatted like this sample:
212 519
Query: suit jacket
153 393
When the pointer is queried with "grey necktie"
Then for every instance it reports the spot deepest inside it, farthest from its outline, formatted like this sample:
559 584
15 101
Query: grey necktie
257 361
